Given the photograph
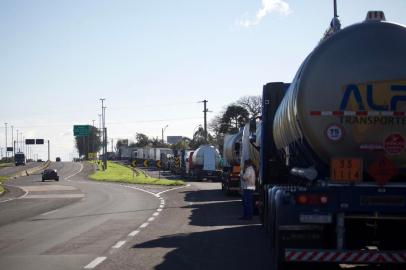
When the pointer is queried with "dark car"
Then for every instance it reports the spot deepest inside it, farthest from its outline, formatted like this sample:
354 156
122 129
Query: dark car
50 174
58 159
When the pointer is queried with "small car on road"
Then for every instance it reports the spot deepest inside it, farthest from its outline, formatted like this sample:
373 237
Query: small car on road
50 174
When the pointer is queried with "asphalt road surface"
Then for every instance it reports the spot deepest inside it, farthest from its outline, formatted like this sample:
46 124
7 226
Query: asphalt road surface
80 224
15 169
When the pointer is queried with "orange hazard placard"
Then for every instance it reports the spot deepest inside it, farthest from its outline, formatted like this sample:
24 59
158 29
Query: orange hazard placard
346 169
382 170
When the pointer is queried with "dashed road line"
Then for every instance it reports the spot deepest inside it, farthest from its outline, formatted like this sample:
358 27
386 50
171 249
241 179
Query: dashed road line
134 233
144 225
95 262
119 244
151 219
159 210
155 214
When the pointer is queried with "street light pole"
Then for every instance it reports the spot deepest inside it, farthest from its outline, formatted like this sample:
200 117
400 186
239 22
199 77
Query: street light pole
104 135
163 130
6 139
12 139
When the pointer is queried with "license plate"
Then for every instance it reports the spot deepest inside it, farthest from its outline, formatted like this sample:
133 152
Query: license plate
316 218
346 170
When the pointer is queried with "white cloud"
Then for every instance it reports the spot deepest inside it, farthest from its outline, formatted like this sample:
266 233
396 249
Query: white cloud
268 6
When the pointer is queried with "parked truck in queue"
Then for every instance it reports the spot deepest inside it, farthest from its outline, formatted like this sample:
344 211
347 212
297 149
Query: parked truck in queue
332 172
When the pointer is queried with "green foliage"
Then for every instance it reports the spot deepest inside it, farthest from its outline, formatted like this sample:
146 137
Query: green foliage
89 144
119 173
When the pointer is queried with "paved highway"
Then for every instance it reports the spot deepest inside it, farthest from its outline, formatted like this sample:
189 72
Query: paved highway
80 224
14 169
67 224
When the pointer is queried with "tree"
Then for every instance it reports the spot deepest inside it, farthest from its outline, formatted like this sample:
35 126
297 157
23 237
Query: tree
233 118
253 104
121 142
88 144
182 144
142 140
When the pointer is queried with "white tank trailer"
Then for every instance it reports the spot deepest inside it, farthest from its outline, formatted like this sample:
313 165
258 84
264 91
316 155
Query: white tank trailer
333 150
206 163
348 99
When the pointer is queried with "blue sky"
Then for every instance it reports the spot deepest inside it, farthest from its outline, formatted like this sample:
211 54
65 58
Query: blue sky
151 60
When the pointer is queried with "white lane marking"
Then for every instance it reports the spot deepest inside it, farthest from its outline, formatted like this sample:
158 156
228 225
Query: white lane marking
49 188
161 206
49 212
151 219
21 197
159 210
159 193
155 214
119 244
81 168
144 225
54 196
134 233
143 190
95 262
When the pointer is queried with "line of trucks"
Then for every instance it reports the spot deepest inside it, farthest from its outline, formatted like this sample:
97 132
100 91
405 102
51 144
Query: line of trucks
330 151
330 148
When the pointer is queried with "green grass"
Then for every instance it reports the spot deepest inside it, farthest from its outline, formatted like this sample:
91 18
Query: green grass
119 173
6 165
2 178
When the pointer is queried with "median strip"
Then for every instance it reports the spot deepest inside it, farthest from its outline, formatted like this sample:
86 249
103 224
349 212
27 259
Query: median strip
119 173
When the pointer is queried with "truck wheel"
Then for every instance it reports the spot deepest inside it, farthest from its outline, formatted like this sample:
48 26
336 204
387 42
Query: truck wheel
57 178
276 244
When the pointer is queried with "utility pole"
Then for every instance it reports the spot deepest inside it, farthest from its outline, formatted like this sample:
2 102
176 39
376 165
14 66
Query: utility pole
104 135
12 139
6 139
205 111
112 149
163 130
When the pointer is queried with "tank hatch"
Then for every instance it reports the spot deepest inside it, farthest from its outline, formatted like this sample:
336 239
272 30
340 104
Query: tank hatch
375 16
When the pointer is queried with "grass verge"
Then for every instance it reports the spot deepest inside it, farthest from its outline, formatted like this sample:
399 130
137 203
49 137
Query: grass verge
2 178
119 173
6 165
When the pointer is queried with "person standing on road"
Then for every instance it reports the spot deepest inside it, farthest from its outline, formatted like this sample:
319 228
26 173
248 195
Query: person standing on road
248 186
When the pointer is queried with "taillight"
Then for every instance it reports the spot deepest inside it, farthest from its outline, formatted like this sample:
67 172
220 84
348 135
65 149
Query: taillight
312 199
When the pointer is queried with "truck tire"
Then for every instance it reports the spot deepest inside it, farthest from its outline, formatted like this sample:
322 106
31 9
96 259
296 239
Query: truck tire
276 243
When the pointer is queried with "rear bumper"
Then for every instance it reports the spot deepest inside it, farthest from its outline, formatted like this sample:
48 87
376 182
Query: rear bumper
345 256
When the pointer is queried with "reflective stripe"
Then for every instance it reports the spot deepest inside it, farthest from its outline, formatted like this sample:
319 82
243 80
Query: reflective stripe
349 256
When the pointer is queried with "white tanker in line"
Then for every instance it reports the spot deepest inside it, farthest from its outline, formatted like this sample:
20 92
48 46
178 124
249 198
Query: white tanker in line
205 163
333 150
238 148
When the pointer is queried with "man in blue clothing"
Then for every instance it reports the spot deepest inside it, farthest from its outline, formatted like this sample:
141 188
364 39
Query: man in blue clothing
248 187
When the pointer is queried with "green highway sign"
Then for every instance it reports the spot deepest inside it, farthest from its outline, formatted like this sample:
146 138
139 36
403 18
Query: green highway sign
81 130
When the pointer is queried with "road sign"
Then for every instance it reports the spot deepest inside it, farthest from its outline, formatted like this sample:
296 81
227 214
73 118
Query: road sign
158 163
29 141
134 163
81 130
146 163
177 162
382 171
39 141
9 149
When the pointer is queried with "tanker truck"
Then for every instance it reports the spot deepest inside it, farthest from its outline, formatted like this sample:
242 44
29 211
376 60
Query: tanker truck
205 163
238 148
332 172
230 180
